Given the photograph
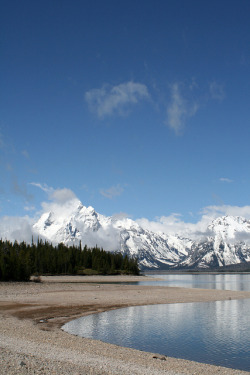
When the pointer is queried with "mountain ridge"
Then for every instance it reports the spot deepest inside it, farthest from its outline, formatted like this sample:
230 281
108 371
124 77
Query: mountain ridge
222 245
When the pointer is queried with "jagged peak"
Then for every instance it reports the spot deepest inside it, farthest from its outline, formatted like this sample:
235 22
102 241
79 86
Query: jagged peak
228 219
73 222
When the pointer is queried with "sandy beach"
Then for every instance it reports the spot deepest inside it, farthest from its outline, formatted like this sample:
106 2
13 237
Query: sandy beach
32 314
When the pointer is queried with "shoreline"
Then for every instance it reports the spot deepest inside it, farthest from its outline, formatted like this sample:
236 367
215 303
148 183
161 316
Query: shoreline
32 315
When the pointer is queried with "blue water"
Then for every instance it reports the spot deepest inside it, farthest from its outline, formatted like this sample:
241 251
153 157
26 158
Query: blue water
203 281
240 282
211 332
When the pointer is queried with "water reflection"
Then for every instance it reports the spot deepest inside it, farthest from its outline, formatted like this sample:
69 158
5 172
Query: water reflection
240 282
211 332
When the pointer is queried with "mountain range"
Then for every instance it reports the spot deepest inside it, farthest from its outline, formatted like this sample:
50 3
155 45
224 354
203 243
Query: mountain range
225 241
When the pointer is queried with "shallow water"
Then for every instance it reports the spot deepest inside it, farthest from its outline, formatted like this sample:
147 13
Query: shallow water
210 332
240 282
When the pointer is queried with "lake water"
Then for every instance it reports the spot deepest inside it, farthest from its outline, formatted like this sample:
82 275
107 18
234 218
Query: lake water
238 281
211 332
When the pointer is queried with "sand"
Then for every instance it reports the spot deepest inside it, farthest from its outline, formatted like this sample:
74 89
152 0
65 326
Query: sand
31 316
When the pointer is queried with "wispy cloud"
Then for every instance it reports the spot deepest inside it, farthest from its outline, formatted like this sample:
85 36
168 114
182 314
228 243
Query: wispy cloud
59 196
179 109
20 190
43 187
225 179
217 91
25 154
110 100
29 208
112 192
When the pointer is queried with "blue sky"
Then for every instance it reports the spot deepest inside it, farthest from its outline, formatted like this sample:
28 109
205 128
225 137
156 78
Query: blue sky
140 107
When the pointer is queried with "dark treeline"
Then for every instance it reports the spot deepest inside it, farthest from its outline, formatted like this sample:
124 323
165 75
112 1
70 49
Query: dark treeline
19 261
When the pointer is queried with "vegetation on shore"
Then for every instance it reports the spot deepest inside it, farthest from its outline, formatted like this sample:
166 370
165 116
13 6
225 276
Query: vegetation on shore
18 262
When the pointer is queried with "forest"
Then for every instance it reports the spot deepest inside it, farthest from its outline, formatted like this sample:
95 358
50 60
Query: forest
19 261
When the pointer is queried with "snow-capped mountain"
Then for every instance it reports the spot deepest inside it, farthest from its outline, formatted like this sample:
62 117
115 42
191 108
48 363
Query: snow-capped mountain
224 245
71 223
74 222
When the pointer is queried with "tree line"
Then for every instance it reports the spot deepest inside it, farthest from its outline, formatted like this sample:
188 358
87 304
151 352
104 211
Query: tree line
19 261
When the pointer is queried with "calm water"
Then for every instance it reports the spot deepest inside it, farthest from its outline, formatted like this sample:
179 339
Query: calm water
207 281
211 332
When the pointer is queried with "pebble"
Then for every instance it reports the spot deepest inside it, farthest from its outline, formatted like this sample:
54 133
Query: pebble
25 349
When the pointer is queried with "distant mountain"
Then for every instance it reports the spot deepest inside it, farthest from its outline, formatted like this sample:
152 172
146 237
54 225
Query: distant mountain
223 245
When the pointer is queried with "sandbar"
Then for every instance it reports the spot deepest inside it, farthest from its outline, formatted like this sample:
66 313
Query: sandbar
31 316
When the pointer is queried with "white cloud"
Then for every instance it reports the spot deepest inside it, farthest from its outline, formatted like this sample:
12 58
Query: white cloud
43 187
216 91
20 228
16 228
29 208
120 216
216 211
59 196
173 224
242 237
225 179
61 201
179 109
62 196
107 238
110 100
112 192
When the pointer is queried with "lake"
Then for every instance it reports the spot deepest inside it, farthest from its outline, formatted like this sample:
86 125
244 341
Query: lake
211 332
239 281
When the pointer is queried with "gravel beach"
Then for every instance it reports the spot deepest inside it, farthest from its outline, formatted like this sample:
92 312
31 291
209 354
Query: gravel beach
31 316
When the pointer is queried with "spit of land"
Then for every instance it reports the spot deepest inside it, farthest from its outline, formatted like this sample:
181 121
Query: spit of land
31 316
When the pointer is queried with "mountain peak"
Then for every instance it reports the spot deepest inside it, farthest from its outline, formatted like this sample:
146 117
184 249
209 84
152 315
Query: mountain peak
227 226
73 222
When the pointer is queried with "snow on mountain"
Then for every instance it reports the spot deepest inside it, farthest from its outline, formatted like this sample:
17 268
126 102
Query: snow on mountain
153 250
75 223
224 245
227 227
80 223
72 225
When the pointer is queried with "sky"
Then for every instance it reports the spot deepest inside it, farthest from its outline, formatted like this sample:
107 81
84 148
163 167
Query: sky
135 107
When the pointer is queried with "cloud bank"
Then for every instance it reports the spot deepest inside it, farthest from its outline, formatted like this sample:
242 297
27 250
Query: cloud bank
60 202
174 224
16 228
110 100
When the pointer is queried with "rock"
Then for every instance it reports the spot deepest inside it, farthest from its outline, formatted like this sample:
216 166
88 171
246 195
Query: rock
161 358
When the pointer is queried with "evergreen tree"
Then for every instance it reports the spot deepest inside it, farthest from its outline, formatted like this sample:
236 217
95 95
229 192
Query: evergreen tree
20 261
